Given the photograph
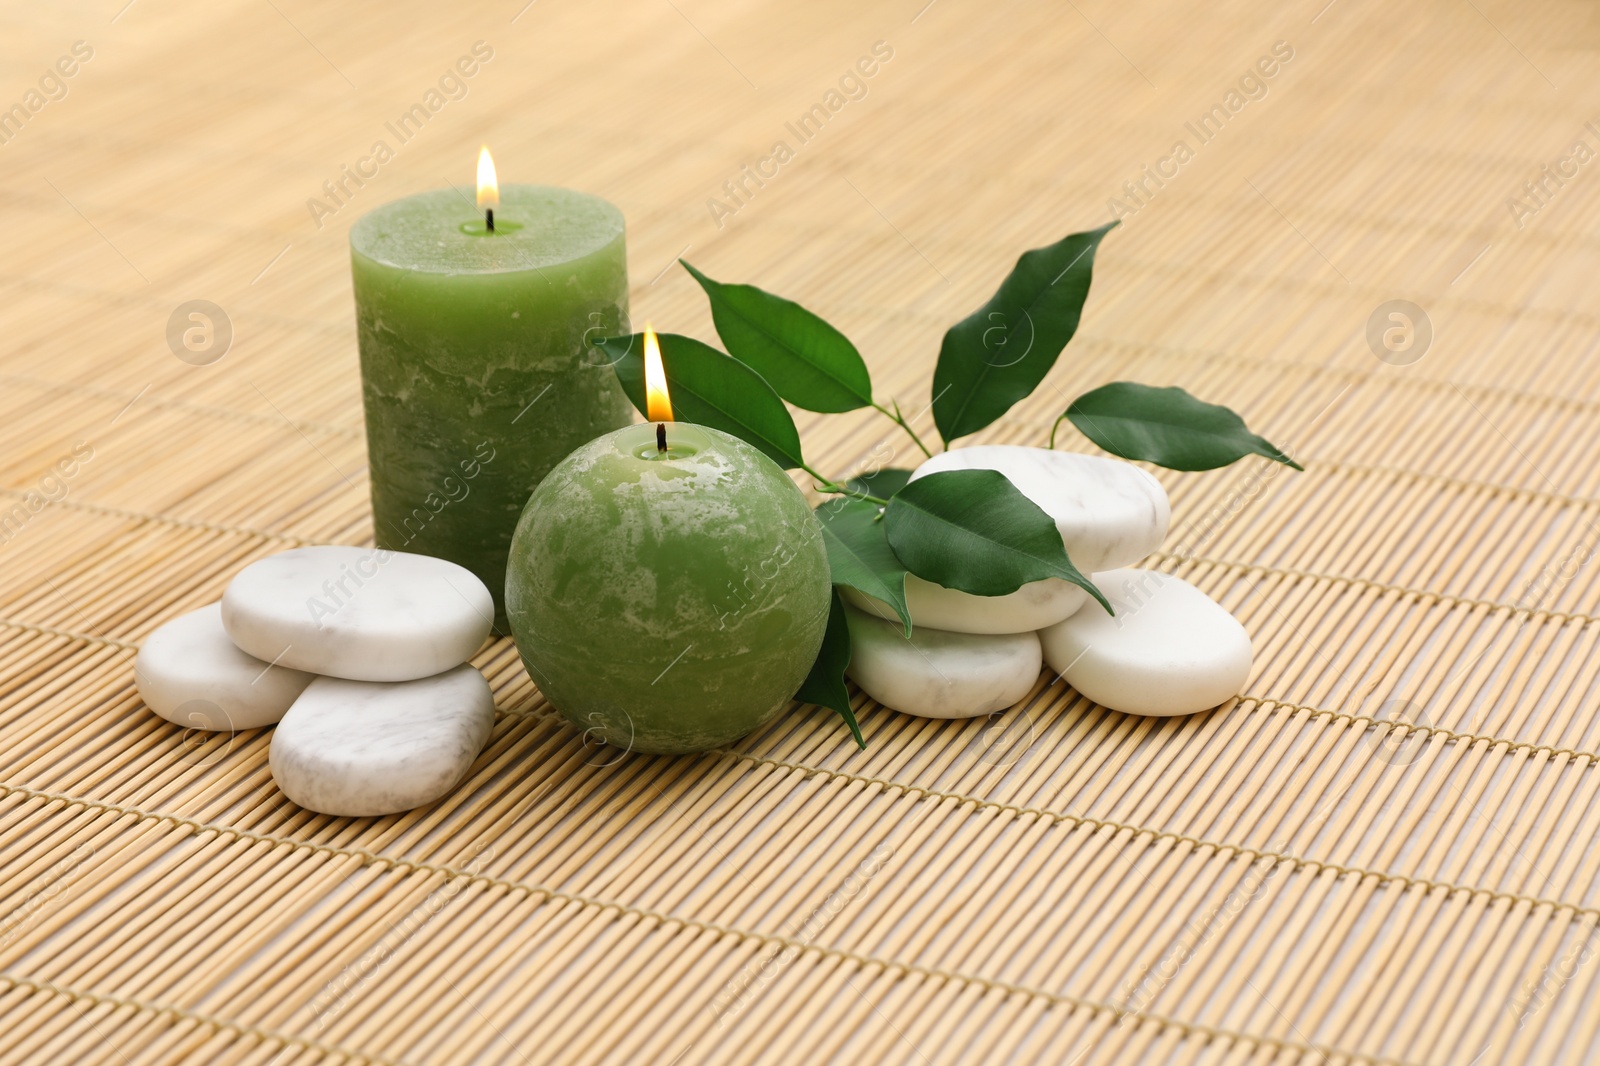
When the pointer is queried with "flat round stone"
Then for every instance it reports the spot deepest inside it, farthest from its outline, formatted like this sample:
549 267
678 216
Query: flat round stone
1032 607
1170 649
1110 512
937 674
360 748
364 614
191 674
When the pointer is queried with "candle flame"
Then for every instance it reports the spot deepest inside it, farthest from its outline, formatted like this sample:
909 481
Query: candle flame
488 186
658 407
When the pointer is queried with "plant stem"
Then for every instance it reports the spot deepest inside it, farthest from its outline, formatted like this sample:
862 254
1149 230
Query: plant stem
827 485
1055 427
900 420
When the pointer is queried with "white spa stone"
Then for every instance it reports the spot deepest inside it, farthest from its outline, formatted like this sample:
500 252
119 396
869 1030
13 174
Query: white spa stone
191 674
365 614
1110 513
937 674
1170 649
359 748
1032 607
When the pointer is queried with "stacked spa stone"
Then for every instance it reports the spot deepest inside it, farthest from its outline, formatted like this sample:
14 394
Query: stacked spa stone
1169 648
360 657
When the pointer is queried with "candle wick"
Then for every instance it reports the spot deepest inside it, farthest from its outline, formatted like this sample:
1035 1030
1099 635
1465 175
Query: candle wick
488 218
661 437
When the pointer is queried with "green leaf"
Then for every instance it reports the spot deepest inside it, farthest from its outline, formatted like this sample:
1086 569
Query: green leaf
999 354
882 483
805 360
1167 427
974 531
710 389
824 686
859 554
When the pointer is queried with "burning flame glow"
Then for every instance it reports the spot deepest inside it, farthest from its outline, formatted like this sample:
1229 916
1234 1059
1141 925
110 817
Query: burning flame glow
658 408
488 186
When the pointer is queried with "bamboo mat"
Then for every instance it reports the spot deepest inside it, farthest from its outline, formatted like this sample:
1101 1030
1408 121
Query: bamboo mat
1384 851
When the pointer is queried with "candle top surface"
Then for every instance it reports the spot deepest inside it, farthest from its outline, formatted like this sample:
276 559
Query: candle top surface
443 231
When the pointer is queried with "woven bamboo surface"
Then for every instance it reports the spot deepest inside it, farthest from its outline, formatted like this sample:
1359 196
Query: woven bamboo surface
1382 852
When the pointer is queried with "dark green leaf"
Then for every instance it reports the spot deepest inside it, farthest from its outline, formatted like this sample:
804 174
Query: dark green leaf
824 686
806 361
881 483
1167 427
1000 353
974 531
710 389
859 554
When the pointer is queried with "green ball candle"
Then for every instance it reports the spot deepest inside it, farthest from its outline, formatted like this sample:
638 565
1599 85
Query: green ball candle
668 601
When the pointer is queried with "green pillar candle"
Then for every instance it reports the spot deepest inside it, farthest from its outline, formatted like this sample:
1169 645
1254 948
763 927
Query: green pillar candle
474 367
668 602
